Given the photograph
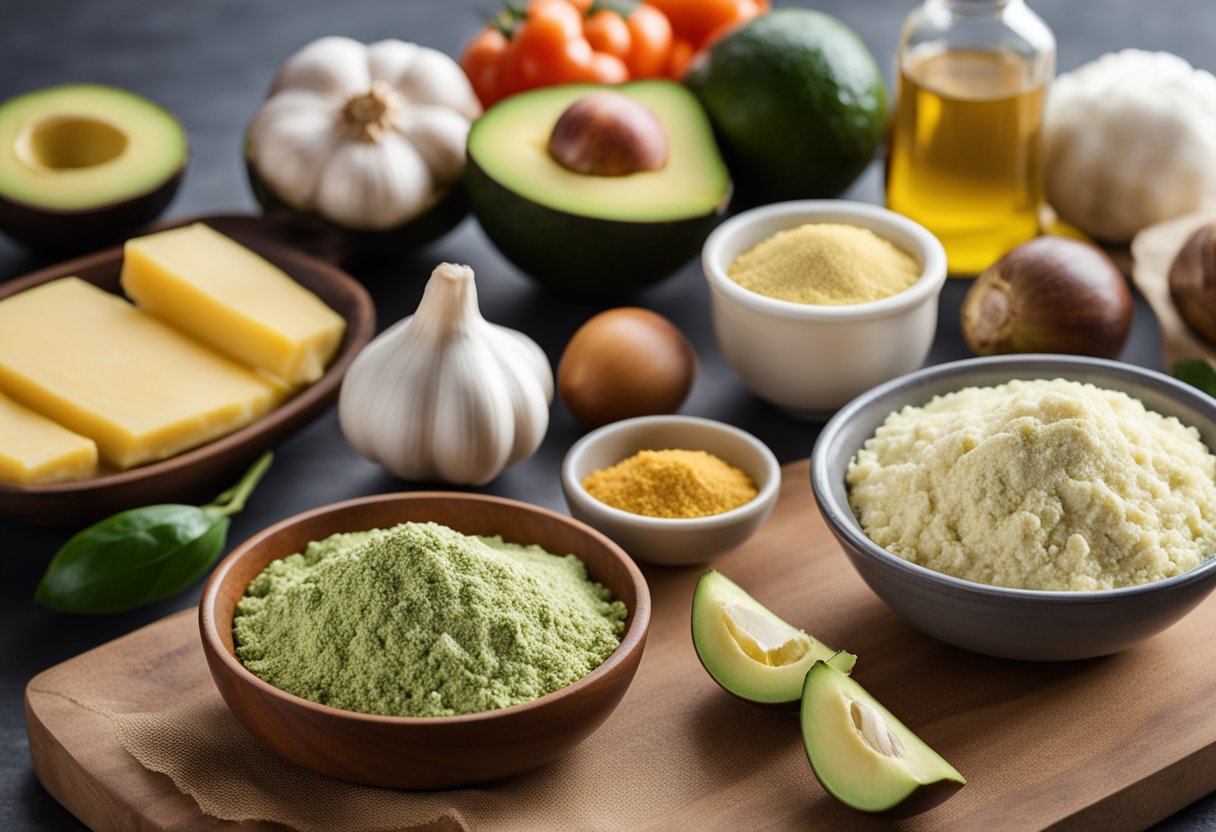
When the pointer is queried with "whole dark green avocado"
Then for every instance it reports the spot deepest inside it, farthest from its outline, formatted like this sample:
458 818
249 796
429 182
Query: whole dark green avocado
797 101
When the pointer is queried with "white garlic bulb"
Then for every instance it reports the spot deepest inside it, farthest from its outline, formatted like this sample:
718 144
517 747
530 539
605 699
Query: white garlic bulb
369 137
444 394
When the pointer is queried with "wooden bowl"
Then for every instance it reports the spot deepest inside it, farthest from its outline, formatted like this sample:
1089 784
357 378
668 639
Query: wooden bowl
201 473
424 752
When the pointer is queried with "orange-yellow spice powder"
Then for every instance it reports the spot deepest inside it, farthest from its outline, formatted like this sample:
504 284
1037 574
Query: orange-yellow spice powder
672 484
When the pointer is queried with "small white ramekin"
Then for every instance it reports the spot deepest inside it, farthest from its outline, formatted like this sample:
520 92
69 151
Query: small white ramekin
811 360
661 540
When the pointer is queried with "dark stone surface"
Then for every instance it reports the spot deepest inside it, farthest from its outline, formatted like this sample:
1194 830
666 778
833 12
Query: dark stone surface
210 62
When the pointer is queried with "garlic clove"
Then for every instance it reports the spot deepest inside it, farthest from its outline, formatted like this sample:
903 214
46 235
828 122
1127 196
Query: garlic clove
390 60
370 420
440 135
289 141
374 185
334 66
529 403
433 78
470 442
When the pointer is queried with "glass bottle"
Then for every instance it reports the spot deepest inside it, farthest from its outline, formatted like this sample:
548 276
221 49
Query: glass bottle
966 156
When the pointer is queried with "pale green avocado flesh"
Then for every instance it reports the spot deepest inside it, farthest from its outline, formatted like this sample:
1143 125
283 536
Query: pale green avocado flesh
861 753
510 145
748 650
82 146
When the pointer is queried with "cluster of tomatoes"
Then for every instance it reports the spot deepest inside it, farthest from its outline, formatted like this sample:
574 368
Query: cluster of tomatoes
549 42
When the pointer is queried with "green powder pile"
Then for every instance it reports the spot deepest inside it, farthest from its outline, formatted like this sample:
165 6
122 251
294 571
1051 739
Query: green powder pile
420 620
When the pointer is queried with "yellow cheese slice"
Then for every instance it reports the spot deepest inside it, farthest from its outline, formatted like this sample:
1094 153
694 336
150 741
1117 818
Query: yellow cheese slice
213 288
96 365
36 451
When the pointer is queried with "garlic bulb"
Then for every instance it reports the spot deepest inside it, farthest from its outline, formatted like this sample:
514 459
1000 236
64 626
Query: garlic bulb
1130 141
446 395
369 137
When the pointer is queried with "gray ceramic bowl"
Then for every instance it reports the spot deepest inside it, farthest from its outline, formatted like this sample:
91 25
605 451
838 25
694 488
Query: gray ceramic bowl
1015 623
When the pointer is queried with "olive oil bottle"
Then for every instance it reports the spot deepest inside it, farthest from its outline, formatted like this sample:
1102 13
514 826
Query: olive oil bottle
965 157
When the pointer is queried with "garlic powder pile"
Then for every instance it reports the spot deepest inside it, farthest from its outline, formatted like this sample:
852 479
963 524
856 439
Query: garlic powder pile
1051 485
825 264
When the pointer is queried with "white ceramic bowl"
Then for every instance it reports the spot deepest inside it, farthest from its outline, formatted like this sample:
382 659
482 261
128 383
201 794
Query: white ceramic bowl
811 360
1014 623
663 541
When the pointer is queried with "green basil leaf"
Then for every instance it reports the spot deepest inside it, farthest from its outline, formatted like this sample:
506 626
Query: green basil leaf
1197 374
144 554
133 558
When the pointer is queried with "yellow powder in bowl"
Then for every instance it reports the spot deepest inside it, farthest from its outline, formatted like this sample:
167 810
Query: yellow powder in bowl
825 264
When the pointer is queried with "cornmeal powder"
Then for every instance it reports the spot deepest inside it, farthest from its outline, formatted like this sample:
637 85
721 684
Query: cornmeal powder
672 483
825 264
1051 485
420 620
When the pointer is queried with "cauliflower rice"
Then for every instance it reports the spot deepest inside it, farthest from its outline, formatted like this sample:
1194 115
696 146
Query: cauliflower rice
1051 485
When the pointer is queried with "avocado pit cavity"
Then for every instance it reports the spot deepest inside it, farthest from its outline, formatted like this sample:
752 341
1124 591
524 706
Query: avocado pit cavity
608 134
763 637
874 730
69 142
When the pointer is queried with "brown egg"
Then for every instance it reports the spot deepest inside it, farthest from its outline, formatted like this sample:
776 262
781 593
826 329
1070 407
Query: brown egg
625 362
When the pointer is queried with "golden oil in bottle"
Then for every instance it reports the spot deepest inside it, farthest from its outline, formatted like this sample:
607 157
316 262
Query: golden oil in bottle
966 157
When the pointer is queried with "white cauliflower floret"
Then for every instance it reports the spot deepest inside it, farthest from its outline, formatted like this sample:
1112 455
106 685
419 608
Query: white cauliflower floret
1130 141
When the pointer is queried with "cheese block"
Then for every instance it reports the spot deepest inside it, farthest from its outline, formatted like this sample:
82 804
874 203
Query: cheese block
36 451
139 389
213 288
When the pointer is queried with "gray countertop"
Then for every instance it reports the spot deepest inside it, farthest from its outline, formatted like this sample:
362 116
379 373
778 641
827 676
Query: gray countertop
210 63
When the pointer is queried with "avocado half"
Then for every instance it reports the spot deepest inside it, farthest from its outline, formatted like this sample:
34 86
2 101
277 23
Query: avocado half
748 650
82 165
588 235
863 755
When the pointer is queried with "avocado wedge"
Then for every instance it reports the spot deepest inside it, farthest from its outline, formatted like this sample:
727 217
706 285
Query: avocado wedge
587 234
748 650
85 164
864 756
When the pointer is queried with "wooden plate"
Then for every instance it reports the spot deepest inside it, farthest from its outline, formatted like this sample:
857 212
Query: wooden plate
200 473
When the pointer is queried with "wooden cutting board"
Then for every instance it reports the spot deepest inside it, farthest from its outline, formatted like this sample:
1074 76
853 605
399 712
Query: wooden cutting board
1114 743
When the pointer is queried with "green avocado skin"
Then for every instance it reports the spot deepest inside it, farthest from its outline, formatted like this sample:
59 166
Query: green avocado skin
582 256
798 103
58 232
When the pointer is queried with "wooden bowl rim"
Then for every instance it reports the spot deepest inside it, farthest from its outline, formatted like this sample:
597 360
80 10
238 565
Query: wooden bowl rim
632 641
360 327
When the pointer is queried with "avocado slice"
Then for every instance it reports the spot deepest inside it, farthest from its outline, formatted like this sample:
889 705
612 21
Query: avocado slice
748 650
85 164
864 756
587 234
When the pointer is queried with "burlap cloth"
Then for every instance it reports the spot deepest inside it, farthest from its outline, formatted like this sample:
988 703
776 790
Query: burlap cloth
1153 252
1038 742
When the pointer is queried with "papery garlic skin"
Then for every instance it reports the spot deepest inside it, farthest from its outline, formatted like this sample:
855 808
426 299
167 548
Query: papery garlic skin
1130 141
445 395
368 137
